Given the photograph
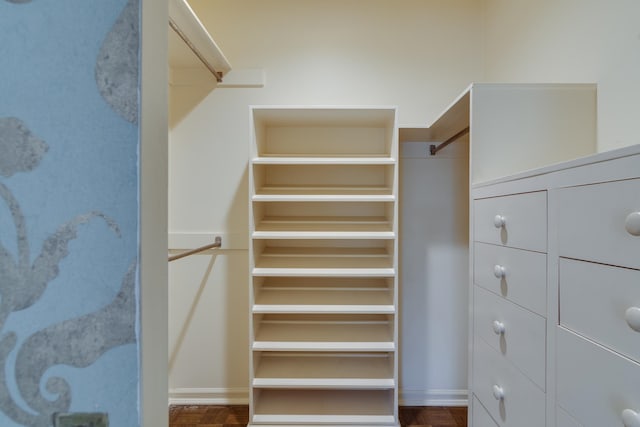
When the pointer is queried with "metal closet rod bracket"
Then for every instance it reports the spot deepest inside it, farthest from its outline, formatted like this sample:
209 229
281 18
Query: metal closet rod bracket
217 243
433 149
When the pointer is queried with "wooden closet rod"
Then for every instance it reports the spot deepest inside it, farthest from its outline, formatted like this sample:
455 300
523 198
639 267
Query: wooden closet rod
433 149
216 244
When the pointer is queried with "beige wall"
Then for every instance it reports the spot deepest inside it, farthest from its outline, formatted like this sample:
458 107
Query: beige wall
346 52
417 54
572 41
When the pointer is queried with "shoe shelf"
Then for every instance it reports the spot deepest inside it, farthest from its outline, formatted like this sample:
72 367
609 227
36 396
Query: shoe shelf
323 259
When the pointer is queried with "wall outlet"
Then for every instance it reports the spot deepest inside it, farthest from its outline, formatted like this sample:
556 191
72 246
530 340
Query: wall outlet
81 419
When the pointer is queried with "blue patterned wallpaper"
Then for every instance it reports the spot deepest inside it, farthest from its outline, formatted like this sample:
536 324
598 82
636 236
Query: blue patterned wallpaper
69 180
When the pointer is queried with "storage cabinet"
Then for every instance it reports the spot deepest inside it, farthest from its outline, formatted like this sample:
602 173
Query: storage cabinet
509 397
598 337
324 256
513 127
514 221
509 307
520 335
604 314
593 222
480 416
519 276
590 354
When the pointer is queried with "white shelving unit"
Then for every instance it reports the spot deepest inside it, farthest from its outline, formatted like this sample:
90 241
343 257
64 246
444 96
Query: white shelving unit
324 256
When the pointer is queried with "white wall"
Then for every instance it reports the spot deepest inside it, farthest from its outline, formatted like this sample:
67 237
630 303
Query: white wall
420 57
572 41
434 254
522 127
345 52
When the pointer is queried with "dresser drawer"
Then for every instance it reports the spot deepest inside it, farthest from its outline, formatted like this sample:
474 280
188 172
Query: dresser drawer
522 403
592 222
524 280
563 419
602 303
517 333
480 416
524 217
594 385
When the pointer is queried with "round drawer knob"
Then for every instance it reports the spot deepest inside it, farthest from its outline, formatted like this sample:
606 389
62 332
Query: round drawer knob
630 418
498 392
632 223
498 327
499 271
499 221
632 316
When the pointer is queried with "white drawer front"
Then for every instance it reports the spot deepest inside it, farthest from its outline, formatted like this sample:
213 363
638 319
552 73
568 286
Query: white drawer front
481 417
525 221
594 385
519 334
523 404
525 275
593 219
563 419
602 303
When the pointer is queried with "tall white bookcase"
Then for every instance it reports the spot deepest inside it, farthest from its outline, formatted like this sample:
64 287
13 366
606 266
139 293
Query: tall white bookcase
323 261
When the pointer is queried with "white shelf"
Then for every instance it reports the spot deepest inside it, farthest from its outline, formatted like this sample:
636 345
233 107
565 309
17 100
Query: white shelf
323 272
296 179
328 132
324 302
324 227
373 235
320 196
332 407
324 299
283 258
321 371
329 193
312 190
331 335
349 159
323 221
322 346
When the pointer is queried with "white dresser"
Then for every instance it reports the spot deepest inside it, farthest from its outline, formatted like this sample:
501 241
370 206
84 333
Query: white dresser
555 296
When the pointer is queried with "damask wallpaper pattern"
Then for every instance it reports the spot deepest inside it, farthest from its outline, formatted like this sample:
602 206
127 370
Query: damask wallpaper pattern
69 178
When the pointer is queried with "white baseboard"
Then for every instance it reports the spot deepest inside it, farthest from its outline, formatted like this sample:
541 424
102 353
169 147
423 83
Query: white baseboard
240 396
208 396
433 397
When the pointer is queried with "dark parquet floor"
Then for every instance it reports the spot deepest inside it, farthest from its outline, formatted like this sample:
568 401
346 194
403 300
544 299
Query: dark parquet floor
238 415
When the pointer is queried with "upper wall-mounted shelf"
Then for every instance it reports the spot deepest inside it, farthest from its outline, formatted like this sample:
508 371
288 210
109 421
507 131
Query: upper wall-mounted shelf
514 127
452 121
190 44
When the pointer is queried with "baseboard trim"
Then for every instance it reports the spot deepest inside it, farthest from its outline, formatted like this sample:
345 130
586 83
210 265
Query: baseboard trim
208 396
240 396
433 397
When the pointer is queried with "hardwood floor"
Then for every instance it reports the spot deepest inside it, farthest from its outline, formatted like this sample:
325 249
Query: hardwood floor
238 415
